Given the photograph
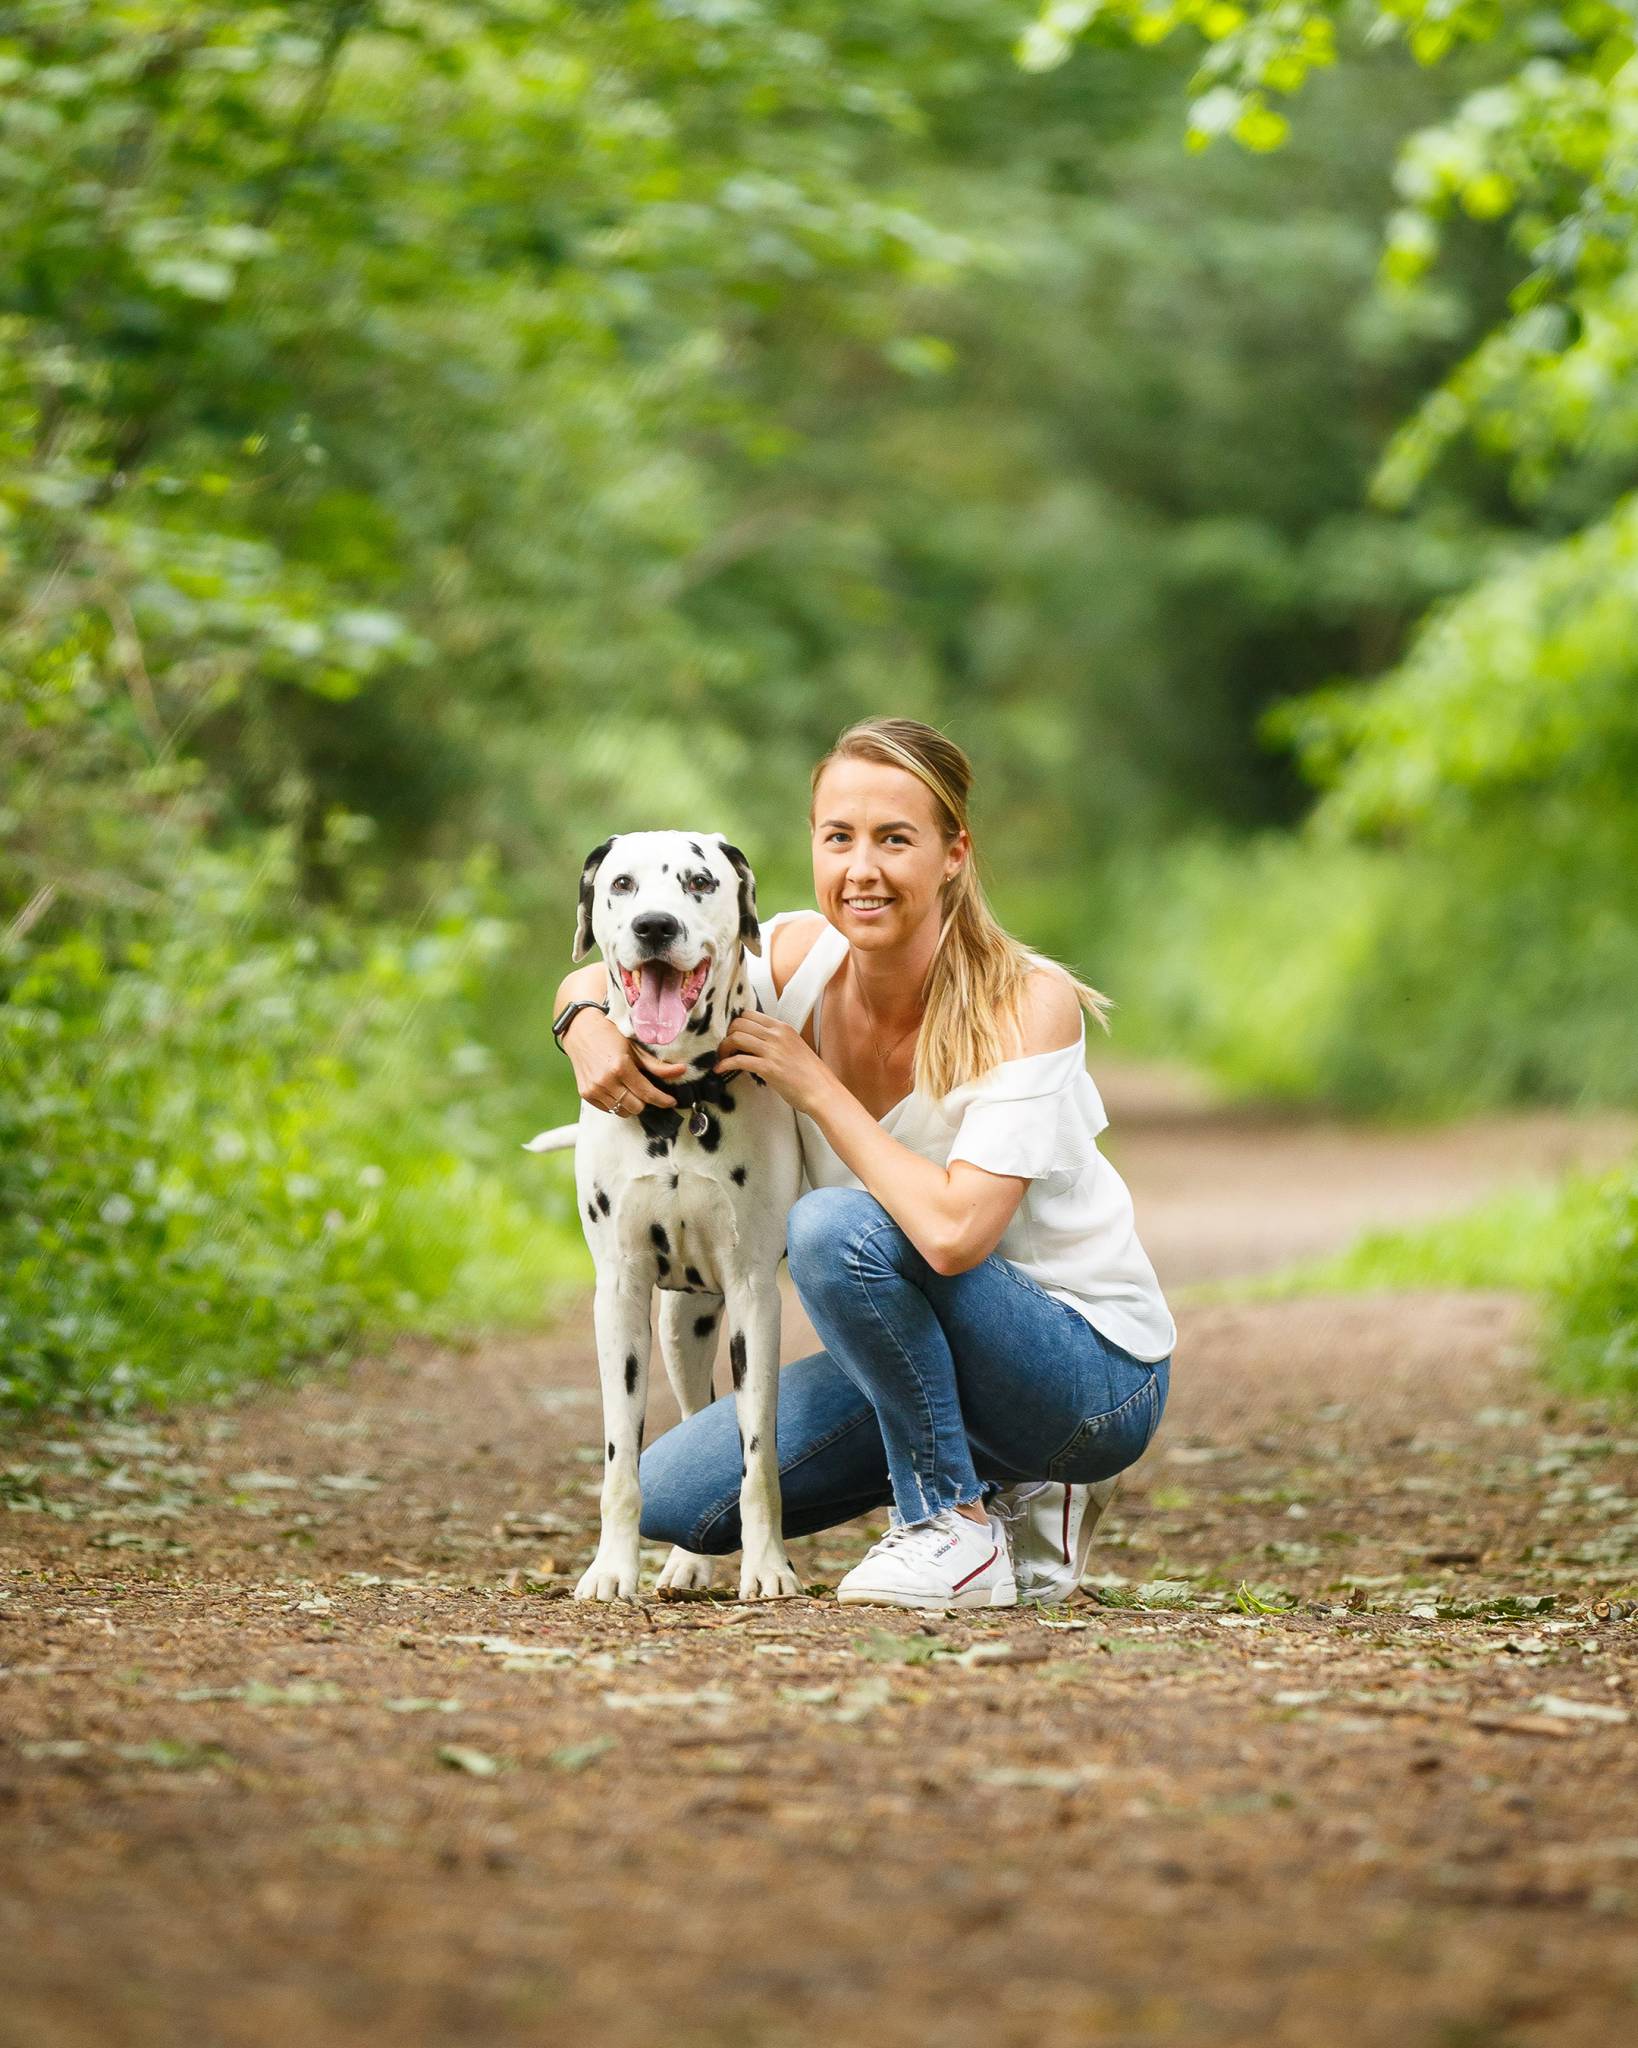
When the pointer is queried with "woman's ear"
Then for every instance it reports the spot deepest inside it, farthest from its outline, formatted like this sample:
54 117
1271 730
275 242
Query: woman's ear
750 928
583 916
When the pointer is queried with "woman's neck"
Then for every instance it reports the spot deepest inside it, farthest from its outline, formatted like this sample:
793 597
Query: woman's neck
891 981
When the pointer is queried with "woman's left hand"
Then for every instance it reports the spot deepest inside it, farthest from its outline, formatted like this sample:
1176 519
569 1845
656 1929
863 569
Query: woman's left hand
755 1044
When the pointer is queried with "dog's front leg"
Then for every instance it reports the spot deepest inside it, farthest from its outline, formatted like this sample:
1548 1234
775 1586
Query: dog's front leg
765 1571
621 1316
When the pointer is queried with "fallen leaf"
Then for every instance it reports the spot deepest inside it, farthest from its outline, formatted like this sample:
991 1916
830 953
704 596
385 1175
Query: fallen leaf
1520 1724
648 1702
1033 1780
1578 1710
477 1763
575 1756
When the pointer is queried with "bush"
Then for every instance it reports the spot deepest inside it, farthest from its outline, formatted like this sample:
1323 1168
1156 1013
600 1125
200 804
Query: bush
1497 965
241 1135
1593 1347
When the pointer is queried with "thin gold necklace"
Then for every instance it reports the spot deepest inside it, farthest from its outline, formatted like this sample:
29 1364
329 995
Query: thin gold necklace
870 1023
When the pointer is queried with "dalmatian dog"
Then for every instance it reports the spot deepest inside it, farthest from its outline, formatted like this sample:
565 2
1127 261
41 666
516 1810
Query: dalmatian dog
691 1200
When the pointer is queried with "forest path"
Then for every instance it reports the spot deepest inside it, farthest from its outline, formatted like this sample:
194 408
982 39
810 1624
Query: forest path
303 1740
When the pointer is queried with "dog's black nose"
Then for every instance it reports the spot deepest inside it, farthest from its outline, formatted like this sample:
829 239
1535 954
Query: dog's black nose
656 928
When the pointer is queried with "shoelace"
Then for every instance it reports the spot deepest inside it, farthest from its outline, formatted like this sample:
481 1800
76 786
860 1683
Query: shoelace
901 1532
1012 1512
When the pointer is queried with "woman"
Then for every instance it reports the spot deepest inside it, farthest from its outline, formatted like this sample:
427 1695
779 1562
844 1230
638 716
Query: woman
990 1322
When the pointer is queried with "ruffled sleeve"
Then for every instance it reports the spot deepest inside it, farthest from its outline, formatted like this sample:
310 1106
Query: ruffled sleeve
1037 1117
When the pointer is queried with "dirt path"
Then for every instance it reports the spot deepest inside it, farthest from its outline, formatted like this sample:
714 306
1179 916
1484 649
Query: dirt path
303 1741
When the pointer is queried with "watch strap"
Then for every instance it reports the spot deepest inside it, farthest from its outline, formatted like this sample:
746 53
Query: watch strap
567 1015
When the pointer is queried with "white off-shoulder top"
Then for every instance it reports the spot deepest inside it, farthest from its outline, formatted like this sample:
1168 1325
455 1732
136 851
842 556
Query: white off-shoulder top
1036 1117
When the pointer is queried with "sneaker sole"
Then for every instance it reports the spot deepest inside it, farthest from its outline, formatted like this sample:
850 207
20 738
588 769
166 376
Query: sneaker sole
982 1596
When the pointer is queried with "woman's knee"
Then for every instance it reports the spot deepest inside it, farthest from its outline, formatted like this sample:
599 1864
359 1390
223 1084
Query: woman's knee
682 1501
822 1223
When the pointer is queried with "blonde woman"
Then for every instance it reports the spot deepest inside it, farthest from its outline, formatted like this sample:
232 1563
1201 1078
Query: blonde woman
997 1347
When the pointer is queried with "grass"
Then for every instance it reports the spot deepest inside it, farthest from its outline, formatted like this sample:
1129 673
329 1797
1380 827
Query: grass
1519 1238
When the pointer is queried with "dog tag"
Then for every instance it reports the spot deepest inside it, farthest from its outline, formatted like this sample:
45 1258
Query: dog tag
699 1123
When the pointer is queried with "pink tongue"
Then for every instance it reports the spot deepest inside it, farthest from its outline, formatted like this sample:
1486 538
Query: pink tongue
659 1012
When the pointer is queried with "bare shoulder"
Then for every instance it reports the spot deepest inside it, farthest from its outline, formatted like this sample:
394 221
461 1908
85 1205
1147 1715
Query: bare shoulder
1049 1012
791 945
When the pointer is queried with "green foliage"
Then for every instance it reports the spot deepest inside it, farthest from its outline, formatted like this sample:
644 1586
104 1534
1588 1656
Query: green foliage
242 1141
1492 767
1521 1238
1593 1298
1493 964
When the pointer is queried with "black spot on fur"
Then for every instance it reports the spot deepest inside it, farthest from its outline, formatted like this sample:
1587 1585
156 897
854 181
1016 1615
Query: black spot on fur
659 1122
662 1265
673 1180
736 1357
583 913
692 1275
738 1176
750 930
699 851
658 1238
755 1444
703 1059
640 1432
591 1212
711 1136
602 1201
631 1372
657 1148
704 1325
611 1454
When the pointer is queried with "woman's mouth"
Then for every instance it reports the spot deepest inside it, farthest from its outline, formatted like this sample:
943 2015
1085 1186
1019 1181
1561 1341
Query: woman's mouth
660 997
867 906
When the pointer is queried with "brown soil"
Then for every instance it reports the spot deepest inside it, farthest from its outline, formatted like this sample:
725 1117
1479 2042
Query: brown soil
253 1660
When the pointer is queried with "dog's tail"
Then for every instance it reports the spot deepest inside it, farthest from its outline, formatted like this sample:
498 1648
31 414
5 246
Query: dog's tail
560 1140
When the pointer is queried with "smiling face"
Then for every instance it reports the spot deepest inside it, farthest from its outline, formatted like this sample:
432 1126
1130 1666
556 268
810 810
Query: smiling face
879 855
667 909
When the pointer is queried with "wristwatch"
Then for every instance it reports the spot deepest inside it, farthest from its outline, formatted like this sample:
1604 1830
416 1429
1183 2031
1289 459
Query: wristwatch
570 1011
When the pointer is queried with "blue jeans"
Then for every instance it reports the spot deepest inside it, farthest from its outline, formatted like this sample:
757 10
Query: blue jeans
930 1388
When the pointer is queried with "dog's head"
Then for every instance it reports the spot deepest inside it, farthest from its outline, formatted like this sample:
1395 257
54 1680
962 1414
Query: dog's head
669 912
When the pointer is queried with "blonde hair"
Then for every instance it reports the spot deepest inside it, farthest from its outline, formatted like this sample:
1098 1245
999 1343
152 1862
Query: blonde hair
975 983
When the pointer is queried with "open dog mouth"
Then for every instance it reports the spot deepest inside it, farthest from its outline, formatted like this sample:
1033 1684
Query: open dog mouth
661 996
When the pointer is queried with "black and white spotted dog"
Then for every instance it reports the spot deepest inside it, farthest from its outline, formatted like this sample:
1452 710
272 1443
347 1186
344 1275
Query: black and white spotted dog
692 1200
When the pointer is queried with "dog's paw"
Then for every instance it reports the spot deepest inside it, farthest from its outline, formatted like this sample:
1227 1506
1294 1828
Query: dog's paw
768 1578
684 1572
607 1579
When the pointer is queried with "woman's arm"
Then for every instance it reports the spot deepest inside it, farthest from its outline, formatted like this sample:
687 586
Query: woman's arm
955 1216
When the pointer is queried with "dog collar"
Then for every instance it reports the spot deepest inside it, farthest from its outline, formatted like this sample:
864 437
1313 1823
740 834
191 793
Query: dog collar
692 1096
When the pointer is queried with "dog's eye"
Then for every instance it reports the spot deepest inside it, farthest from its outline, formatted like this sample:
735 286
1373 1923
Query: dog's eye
702 885
622 885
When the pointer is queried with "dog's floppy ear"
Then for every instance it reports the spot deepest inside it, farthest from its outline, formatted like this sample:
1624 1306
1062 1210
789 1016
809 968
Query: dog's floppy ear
583 917
750 929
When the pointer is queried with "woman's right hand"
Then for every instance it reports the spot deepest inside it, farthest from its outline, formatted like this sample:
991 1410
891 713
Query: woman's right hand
608 1071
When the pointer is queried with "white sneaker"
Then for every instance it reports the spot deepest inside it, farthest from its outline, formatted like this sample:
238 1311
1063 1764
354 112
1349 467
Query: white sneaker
948 1561
1051 1526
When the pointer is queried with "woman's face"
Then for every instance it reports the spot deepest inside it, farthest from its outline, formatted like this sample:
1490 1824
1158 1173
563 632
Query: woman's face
878 855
